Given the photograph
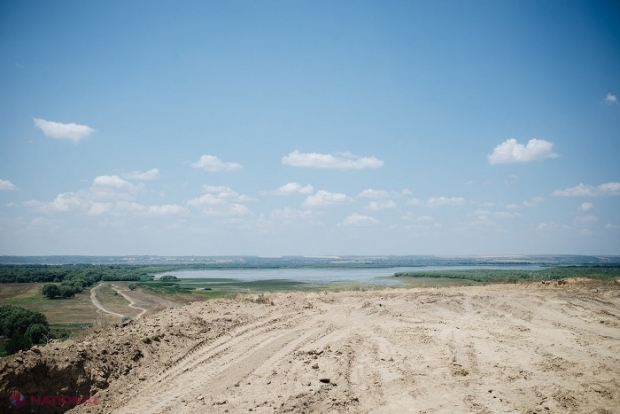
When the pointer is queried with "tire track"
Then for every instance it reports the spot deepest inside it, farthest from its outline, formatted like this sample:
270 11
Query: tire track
224 362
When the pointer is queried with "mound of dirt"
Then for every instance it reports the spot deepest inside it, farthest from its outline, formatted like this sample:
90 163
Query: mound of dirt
504 348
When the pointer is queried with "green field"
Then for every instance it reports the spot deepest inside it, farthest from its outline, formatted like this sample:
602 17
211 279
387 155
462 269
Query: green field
602 273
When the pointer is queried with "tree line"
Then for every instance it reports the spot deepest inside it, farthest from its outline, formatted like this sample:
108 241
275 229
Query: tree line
22 327
515 275
36 273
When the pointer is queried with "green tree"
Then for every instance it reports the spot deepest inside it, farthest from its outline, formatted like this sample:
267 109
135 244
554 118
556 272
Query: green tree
51 291
67 291
23 327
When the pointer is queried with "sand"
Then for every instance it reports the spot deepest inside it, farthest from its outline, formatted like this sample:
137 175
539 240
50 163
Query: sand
487 349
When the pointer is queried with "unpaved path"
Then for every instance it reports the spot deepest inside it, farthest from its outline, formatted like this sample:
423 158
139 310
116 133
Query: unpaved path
522 349
132 304
93 298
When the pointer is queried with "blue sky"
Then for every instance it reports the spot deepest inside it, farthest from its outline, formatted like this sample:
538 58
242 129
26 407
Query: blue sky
317 128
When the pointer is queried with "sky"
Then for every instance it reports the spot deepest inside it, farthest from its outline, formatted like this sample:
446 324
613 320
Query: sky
309 128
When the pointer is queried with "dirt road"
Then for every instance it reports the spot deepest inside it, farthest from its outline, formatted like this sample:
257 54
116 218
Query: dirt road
131 304
93 298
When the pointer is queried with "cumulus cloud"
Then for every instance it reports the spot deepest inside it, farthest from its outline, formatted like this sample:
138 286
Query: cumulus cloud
434 202
291 214
233 209
211 163
611 99
586 219
151 174
380 205
6 185
533 202
356 219
582 190
292 188
552 226
112 181
376 194
510 151
111 187
217 195
324 198
485 214
108 194
343 161
585 207
221 201
166 210
73 132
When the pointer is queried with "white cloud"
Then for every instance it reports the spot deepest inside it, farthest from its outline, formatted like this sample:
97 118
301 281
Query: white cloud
292 188
73 132
211 163
511 151
356 219
376 194
217 195
611 99
585 207
552 226
343 161
151 174
425 219
6 185
485 214
233 209
208 199
166 210
380 205
291 214
97 208
129 207
324 198
582 190
434 202
113 181
610 226
512 206
110 187
533 202
64 202
221 201
587 219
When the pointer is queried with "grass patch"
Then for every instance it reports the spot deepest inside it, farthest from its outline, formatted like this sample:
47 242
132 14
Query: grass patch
515 275
62 331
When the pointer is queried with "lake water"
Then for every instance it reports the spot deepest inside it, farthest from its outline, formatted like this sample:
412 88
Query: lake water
381 276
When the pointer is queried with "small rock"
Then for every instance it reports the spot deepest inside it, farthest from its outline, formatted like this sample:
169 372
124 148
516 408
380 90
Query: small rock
325 380
200 397
315 366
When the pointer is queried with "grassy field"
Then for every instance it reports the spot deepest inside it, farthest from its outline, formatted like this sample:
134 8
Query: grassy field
603 273
69 317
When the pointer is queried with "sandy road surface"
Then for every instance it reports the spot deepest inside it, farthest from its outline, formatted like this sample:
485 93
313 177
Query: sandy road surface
132 303
495 349
95 301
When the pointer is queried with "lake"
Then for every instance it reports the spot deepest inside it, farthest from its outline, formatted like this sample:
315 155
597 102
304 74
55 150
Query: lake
374 276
